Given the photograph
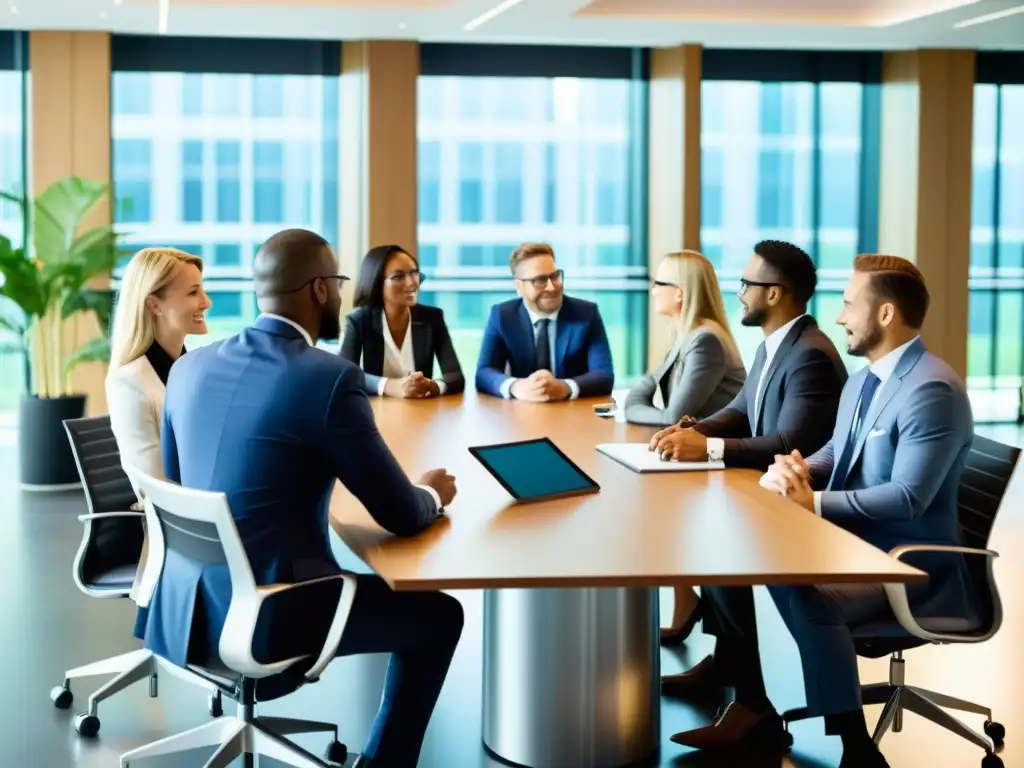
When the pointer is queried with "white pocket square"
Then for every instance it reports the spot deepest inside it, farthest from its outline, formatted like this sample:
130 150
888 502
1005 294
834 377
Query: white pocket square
876 432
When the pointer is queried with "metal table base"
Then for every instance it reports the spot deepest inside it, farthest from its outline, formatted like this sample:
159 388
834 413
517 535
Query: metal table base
571 676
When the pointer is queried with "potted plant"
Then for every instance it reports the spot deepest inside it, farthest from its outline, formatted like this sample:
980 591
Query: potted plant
41 287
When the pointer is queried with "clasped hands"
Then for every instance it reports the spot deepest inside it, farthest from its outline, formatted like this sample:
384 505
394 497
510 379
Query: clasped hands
790 476
414 385
680 442
540 387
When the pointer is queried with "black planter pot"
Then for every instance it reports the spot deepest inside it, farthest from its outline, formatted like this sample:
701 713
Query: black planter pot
47 462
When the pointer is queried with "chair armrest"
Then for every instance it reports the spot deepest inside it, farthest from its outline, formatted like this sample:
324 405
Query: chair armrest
900 603
109 515
236 646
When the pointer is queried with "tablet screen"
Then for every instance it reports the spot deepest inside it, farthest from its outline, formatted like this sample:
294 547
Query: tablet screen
534 469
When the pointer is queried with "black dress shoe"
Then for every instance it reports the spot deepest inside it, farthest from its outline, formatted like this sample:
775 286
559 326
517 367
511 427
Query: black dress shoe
678 636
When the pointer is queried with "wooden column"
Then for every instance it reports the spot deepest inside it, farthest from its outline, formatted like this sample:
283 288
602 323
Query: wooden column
378 148
70 136
925 200
674 163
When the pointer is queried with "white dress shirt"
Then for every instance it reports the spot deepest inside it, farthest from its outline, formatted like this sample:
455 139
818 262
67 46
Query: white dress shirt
536 317
883 368
716 445
399 362
309 340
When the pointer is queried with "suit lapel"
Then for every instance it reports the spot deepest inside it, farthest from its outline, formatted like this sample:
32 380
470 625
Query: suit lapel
564 331
780 355
885 395
422 350
844 418
666 365
373 343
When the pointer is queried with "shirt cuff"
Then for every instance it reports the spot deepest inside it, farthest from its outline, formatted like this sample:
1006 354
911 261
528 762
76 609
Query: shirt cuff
716 449
817 503
435 497
442 386
574 388
380 386
506 387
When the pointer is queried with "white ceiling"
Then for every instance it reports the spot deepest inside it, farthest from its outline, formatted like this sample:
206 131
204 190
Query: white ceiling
840 24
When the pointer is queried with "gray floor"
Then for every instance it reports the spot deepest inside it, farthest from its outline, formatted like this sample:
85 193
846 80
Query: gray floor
49 626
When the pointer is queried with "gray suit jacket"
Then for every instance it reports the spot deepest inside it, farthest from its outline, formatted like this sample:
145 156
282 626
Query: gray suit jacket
708 382
904 473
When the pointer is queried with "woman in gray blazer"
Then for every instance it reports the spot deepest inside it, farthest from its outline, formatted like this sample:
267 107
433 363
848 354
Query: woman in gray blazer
703 370
701 374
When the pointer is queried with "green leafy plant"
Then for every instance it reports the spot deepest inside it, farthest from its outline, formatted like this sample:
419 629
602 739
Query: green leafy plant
48 283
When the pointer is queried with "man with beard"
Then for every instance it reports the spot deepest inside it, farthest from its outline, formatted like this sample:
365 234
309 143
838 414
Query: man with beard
889 475
788 402
273 422
544 346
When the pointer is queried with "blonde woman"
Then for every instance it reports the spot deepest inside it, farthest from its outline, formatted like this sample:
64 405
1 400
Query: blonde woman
701 374
161 301
703 370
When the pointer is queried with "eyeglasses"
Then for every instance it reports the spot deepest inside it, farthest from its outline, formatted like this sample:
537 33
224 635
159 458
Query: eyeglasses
400 277
340 278
744 284
540 282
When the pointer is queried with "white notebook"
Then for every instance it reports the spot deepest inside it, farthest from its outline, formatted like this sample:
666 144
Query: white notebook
640 458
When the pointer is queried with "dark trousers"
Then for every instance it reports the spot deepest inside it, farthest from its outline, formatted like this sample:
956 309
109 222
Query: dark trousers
818 617
419 629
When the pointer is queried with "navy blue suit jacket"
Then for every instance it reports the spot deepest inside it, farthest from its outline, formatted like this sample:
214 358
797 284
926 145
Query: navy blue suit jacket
581 348
273 423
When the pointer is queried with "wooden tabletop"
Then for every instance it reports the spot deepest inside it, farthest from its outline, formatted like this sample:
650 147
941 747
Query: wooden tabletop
702 528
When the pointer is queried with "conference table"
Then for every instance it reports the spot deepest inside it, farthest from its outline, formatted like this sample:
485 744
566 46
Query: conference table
571 646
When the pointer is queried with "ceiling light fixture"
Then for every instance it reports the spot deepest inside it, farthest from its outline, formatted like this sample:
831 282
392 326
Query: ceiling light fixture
165 11
990 17
497 10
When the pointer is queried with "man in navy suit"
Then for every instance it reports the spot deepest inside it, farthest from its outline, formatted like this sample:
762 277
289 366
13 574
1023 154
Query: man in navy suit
274 422
889 475
543 346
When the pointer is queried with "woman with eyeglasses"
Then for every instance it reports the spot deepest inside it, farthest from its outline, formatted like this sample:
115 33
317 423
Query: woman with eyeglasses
703 370
701 374
392 336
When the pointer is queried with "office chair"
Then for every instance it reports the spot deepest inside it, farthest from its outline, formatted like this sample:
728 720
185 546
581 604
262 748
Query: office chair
106 564
198 526
989 468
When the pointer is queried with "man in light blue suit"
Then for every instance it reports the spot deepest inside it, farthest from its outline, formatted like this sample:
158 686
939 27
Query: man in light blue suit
274 422
890 475
544 346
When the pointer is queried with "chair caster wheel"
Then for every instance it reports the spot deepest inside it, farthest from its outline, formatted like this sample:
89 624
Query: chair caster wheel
61 697
996 732
337 753
86 724
215 705
992 761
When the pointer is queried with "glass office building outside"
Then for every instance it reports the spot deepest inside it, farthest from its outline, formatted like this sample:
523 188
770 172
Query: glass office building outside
216 148
789 151
995 353
13 175
539 145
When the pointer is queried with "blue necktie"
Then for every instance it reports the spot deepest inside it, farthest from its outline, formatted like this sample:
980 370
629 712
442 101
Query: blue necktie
871 383
542 360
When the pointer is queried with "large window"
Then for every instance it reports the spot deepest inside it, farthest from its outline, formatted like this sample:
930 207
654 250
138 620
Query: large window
219 144
995 353
789 152
13 62
552 154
